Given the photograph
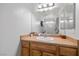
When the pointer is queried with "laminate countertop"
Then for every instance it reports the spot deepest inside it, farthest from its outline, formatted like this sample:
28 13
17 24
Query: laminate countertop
68 41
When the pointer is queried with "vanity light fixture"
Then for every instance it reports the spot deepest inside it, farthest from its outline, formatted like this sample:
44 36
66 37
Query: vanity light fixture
45 7
51 4
40 6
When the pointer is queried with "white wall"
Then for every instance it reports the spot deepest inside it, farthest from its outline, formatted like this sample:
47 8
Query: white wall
77 21
15 20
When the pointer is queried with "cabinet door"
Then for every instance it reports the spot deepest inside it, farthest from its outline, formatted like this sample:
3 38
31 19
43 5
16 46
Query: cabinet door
48 54
25 52
35 53
67 51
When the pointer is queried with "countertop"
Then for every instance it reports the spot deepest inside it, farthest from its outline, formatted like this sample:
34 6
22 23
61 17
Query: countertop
52 40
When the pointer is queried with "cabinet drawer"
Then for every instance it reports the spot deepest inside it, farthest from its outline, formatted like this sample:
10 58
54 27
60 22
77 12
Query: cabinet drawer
67 51
43 46
25 52
35 53
25 43
47 54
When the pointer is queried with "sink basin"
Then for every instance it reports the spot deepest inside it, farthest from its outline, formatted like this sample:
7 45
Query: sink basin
44 38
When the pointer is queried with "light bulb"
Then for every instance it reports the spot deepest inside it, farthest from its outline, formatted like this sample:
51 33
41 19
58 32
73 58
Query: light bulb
39 6
44 5
50 4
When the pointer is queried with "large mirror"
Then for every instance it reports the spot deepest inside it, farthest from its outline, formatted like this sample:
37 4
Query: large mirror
52 18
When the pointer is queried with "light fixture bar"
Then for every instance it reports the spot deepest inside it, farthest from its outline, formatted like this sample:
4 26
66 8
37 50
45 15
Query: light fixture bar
45 6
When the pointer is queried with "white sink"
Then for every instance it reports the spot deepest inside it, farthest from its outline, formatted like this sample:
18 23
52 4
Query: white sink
42 38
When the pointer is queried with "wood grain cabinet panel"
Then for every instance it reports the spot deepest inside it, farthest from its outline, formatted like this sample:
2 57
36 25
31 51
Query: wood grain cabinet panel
43 46
25 43
35 53
67 51
78 51
34 48
48 54
25 52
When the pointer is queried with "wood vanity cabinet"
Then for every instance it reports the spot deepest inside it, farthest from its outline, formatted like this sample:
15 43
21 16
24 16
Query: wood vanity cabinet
48 54
43 49
40 53
36 48
25 52
25 48
65 51
35 52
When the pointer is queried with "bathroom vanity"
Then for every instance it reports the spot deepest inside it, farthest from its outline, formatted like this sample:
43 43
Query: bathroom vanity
54 22
57 45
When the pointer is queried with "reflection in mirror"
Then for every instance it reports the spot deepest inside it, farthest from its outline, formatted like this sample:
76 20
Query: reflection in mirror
52 18
51 25
67 17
